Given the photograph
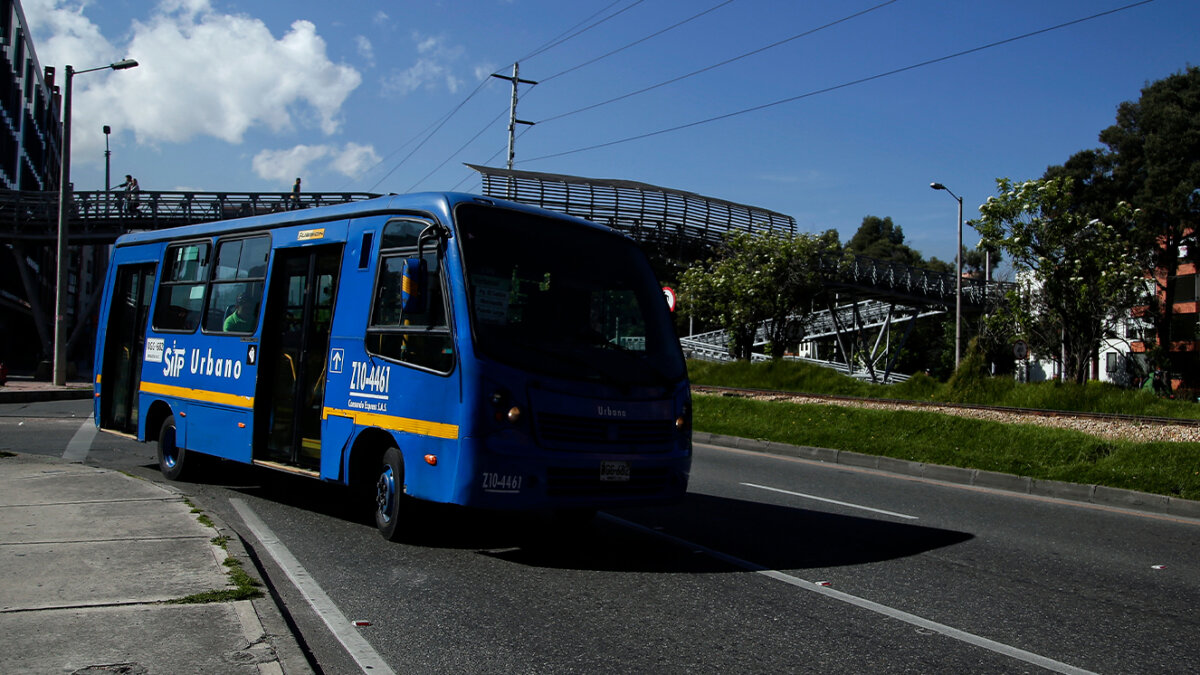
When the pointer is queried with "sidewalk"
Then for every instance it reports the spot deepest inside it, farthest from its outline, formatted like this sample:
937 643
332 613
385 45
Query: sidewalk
91 558
28 390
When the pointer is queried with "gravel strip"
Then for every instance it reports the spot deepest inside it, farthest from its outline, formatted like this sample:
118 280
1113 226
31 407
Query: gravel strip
1113 429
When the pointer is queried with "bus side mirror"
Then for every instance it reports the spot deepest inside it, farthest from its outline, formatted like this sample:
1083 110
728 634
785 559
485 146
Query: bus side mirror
412 290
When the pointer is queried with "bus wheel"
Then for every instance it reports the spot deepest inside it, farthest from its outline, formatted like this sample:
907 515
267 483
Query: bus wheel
389 495
173 460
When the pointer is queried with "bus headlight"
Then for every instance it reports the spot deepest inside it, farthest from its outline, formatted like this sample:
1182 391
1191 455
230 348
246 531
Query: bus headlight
504 408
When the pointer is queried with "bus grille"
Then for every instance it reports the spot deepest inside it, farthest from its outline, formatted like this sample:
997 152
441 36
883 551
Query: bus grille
573 482
579 433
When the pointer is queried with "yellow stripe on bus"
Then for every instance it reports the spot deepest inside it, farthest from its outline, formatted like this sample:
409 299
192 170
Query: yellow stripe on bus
198 394
419 427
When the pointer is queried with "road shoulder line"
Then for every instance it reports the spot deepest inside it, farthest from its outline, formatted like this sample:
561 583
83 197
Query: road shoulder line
1089 494
356 646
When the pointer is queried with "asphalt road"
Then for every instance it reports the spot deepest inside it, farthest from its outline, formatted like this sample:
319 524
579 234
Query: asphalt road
770 565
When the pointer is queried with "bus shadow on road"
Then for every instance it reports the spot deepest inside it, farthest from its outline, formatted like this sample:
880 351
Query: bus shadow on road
667 539
684 538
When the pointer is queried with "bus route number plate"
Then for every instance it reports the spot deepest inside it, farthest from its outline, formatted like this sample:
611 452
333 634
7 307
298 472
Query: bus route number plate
614 472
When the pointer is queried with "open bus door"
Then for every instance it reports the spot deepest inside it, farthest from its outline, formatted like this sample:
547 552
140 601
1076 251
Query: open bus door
295 343
124 347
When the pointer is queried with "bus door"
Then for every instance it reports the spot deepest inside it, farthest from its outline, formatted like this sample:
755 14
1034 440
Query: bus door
295 343
124 347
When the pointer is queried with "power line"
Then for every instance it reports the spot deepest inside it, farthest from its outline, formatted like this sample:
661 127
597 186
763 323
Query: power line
637 42
486 161
438 124
441 122
460 149
576 34
715 65
555 40
844 85
554 43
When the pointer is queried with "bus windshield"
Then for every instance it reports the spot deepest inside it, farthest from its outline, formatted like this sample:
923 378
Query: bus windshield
560 298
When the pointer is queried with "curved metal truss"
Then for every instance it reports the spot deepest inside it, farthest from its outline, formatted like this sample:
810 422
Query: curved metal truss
645 212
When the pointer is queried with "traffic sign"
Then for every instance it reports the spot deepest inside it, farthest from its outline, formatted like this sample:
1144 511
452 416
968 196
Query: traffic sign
1020 349
670 294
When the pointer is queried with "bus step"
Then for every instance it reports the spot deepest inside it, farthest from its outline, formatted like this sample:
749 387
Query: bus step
279 466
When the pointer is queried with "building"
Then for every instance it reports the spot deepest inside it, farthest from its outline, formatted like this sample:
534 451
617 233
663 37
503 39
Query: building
1177 294
29 109
30 148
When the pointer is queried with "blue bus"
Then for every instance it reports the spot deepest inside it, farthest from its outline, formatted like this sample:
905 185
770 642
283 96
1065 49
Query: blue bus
442 347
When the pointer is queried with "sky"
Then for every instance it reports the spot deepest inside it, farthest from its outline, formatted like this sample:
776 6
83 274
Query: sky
824 111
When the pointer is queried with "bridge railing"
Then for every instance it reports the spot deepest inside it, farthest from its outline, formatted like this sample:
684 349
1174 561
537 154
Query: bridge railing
934 286
34 215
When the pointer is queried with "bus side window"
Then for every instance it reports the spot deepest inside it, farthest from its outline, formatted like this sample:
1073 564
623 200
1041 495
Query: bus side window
181 288
237 286
421 338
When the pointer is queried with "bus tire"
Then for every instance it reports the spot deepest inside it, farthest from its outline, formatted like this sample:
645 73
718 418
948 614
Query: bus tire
389 495
173 460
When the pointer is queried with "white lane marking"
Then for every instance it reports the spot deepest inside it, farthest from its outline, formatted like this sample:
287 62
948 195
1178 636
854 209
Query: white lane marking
81 443
891 612
832 501
359 649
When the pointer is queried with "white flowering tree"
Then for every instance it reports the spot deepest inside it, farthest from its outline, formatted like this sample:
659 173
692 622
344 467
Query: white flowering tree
757 280
1085 274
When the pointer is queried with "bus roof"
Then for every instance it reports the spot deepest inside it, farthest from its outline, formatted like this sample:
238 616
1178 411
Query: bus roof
437 203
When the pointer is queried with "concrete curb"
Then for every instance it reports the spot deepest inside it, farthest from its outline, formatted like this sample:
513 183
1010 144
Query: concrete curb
12 395
265 620
1092 494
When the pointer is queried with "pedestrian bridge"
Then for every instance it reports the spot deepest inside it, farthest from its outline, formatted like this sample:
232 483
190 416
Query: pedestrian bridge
100 217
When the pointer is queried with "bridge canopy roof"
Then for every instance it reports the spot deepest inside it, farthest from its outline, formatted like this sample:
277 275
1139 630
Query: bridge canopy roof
632 206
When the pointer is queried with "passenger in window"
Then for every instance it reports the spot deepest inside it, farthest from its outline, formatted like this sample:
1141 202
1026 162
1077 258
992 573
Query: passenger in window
241 319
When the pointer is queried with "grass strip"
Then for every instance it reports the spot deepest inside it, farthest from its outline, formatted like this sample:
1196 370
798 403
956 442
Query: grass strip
964 387
1025 450
245 587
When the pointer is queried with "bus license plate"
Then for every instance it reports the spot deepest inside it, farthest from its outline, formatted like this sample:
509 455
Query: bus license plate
614 472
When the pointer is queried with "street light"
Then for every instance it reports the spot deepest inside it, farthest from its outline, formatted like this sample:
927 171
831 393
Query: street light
957 279
64 189
107 174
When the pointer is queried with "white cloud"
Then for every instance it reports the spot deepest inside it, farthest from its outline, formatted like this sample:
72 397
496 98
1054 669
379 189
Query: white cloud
432 69
201 73
63 35
365 50
283 166
354 160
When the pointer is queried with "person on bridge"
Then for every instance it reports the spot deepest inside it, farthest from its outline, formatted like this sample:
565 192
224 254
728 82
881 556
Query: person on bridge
294 200
131 194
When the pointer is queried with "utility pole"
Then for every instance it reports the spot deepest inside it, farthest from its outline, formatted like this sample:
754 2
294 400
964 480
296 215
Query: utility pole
512 111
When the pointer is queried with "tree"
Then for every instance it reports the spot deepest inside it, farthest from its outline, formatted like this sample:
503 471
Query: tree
1084 272
758 280
881 239
1156 150
1152 161
981 262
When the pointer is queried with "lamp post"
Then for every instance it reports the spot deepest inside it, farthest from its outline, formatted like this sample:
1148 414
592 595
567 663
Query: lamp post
64 192
957 278
107 173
